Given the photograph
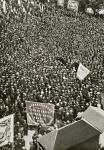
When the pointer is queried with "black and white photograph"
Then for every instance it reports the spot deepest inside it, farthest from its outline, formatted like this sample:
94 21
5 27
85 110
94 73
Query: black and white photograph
51 74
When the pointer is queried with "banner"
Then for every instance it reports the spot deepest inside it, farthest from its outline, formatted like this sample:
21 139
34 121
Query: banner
42 113
72 4
82 72
6 130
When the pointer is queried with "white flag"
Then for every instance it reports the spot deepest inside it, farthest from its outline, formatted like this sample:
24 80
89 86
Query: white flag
82 72
6 130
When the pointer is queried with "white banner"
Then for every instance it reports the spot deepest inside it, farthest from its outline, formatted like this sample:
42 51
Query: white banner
39 113
82 72
72 4
6 130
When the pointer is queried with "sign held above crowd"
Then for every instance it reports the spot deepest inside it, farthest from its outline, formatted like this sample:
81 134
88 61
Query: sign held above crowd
6 130
82 72
39 113
73 5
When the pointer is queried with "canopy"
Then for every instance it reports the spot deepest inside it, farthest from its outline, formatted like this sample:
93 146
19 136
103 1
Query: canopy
81 134
68 136
95 116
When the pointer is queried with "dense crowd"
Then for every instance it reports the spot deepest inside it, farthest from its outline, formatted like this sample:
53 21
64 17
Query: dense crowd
40 50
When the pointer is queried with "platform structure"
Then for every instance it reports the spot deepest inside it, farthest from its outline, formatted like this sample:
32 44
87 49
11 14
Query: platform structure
80 135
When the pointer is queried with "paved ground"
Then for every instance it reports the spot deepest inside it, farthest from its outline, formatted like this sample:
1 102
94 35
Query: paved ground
28 139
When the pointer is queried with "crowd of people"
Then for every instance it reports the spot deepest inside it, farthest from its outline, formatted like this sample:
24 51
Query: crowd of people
40 50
